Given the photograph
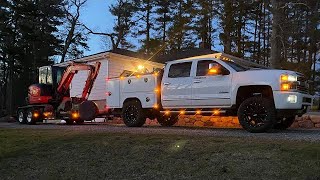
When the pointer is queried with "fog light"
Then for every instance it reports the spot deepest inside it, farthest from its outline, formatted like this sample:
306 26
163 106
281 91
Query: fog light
292 99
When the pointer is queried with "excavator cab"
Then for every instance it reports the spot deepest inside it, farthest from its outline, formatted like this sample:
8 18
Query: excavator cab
45 90
51 75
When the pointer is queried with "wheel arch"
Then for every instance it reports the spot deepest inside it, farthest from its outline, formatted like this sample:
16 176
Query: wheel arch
245 92
131 99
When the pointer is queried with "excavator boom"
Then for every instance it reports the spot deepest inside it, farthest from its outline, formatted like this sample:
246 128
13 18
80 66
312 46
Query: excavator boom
69 73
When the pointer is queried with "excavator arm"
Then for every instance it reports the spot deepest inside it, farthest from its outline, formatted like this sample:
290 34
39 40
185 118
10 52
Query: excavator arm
73 69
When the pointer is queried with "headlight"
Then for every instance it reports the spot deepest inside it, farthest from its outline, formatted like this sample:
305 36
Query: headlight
288 78
288 82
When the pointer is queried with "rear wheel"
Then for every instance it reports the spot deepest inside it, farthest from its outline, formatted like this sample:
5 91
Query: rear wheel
257 114
284 123
167 120
133 114
21 116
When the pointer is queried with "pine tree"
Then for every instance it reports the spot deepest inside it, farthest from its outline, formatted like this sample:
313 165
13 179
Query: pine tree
29 33
205 12
181 31
163 18
144 14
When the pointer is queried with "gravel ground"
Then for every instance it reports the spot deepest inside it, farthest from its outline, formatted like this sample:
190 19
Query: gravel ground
291 134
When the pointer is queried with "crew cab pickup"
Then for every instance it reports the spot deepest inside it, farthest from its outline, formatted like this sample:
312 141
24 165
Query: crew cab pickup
261 98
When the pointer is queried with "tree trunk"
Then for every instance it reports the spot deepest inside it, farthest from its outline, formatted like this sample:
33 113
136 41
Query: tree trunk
148 28
276 34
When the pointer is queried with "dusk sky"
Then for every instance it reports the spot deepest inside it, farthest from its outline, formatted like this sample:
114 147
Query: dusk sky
97 17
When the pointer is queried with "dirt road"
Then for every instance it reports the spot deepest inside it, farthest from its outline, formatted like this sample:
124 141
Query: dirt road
291 134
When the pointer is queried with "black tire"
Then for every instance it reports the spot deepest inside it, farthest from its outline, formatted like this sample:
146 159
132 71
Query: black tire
167 120
29 117
69 121
79 122
284 123
257 114
88 111
21 116
133 114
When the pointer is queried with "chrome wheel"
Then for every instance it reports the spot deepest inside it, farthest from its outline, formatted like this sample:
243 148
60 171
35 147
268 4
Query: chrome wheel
21 117
29 117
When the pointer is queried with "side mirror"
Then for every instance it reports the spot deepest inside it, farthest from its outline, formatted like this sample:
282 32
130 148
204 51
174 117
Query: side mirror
217 69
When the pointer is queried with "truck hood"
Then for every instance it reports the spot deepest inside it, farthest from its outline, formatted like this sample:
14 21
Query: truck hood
268 71
261 77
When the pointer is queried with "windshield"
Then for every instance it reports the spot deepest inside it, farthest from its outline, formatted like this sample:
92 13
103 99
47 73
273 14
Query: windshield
236 66
45 75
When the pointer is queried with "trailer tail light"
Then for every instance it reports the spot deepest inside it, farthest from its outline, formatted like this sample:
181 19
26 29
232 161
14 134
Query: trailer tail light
47 114
36 115
75 115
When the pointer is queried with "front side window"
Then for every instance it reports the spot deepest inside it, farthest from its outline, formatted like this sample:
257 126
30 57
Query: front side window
180 70
210 68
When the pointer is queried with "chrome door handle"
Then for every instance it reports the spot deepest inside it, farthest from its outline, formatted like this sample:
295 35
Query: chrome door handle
166 84
201 77
197 81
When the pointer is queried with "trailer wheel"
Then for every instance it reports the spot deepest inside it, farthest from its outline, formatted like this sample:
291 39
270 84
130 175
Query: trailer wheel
133 114
285 123
21 116
29 117
257 114
167 120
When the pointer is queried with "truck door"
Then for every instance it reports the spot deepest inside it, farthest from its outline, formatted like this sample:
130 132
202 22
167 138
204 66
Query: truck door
177 85
211 85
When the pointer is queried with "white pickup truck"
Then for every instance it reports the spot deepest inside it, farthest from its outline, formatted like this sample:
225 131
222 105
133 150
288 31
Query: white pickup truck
261 98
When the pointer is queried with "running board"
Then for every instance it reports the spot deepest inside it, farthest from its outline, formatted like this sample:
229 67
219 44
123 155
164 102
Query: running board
198 112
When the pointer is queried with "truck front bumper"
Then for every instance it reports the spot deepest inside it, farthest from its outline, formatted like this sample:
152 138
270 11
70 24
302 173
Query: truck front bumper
291 100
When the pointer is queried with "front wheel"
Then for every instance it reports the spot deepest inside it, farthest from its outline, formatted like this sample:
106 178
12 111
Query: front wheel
21 117
284 123
133 114
257 114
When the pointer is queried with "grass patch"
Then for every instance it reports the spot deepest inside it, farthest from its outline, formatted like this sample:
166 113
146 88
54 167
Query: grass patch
61 154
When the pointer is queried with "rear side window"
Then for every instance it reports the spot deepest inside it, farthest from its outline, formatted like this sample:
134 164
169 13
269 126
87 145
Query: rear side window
180 70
